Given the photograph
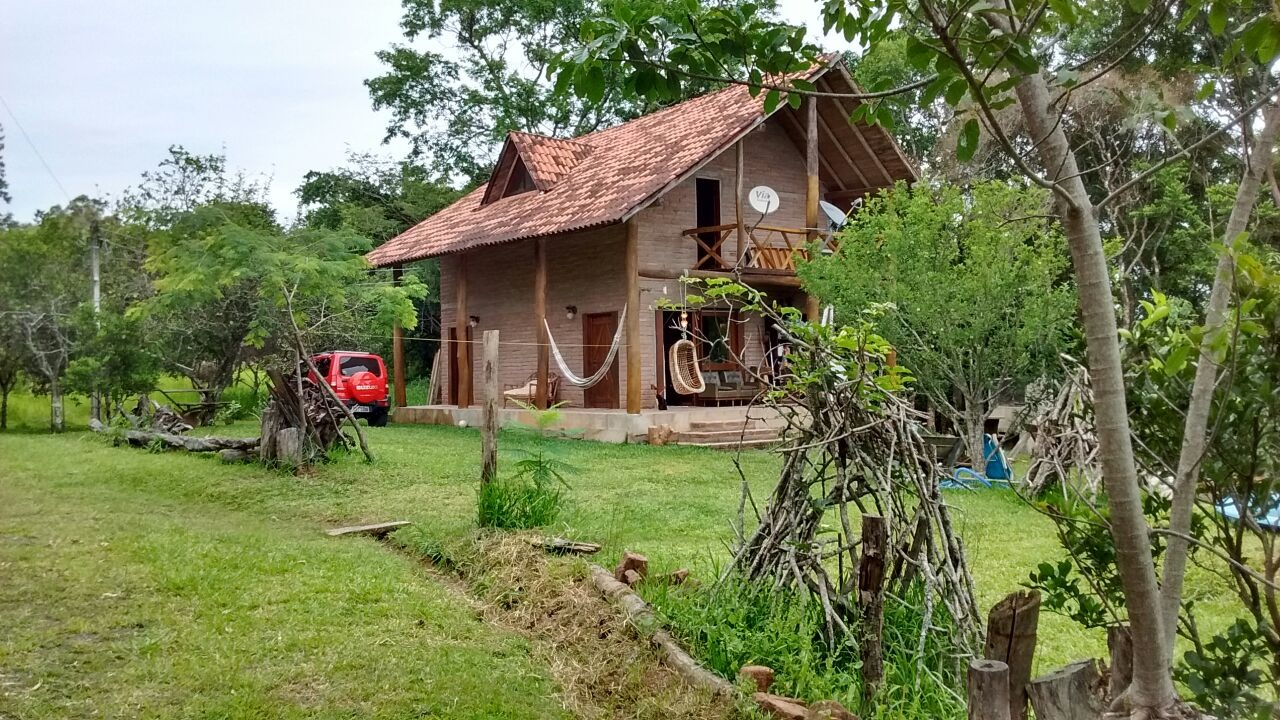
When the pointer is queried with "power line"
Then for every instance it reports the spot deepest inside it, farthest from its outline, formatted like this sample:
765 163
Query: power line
18 124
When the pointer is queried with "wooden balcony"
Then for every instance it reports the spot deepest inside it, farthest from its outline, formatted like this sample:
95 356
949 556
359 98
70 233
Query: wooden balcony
767 249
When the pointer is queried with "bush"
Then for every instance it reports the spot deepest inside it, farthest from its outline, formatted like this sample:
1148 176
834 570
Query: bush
519 503
735 622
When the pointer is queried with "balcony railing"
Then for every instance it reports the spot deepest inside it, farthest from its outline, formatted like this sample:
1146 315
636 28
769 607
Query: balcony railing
767 248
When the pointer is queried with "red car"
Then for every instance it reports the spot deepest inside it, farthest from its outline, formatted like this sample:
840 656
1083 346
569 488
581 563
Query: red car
360 381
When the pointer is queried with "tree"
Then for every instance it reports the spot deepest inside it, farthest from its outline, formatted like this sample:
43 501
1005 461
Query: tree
113 356
455 107
43 280
380 199
11 357
984 57
376 198
975 284
5 197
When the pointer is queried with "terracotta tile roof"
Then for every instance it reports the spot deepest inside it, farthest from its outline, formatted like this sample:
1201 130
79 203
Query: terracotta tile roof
593 180
549 159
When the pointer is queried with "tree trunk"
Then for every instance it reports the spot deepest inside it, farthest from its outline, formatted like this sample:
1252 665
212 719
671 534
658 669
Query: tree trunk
1152 686
972 427
4 408
55 405
1195 430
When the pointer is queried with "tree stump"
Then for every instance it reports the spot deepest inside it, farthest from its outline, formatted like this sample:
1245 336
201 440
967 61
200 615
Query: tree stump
1067 693
989 690
288 447
631 561
1120 643
759 675
1011 639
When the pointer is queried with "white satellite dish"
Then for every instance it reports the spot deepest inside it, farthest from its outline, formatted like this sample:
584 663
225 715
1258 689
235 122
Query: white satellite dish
835 216
764 199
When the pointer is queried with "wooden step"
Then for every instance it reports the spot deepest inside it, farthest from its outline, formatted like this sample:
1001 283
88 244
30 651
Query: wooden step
697 437
736 424
735 443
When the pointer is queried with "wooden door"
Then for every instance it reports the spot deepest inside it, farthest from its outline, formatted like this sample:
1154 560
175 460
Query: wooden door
597 336
707 193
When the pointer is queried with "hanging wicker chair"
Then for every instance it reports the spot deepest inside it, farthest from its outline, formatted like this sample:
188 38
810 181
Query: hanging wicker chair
686 376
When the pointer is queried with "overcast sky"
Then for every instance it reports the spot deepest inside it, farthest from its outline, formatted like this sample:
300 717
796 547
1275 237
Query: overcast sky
104 88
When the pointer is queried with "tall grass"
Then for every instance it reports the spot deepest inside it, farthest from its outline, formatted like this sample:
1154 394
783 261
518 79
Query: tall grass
736 622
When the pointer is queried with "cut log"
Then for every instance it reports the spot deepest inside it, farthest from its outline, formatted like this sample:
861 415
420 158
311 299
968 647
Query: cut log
631 578
782 708
759 675
676 578
631 561
638 614
231 456
565 546
988 690
1067 694
377 530
148 438
288 444
829 710
1011 639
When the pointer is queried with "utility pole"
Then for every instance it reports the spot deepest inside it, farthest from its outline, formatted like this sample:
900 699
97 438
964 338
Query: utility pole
95 281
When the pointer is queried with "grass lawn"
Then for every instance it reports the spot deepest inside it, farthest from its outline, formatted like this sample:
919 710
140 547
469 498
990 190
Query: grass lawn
126 593
149 581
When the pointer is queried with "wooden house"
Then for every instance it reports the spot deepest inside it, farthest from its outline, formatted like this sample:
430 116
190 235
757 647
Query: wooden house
593 231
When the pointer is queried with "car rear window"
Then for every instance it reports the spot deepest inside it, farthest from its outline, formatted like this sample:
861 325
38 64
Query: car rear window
352 365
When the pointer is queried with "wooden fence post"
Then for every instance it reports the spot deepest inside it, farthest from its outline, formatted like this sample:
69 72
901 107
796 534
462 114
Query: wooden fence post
875 541
1011 639
492 400
988 690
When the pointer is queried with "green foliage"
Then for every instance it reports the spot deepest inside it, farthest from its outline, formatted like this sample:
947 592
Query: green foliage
456 103
1229 671
534 494
112 357
973 286
374 198
734 622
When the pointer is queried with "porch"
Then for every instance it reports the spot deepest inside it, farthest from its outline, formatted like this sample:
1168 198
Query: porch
758 249
709 426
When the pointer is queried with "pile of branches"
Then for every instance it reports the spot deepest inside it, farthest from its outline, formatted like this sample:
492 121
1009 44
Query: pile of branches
303 421
1066 444
153 425
852 445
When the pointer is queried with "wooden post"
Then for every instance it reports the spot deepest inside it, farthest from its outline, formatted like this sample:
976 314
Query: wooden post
875 542
812 311
811 168
737 204
461 320
1067 694
1011 639
632 320
542 390
397 349
988 690
492 405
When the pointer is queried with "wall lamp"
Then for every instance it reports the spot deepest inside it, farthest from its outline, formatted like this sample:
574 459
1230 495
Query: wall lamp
474 320
571 311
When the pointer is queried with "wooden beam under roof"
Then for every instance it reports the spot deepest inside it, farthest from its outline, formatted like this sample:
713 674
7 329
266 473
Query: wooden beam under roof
824 85
798 137
840 148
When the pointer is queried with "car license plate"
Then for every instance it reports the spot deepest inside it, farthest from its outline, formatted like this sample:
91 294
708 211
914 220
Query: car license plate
360 408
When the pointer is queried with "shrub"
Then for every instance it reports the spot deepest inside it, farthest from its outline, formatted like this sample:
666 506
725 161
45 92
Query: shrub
518 503
735 622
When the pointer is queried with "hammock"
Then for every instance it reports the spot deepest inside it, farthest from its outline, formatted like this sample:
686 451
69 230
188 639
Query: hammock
686 376
586 382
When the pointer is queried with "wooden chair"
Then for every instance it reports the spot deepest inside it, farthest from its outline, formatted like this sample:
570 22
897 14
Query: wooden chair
527 392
